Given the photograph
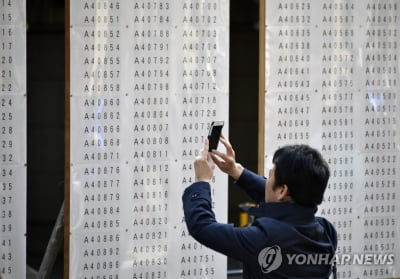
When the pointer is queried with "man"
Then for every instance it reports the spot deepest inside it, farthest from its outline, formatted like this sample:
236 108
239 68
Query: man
285 240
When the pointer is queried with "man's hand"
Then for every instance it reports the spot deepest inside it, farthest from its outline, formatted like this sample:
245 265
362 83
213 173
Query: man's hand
204 165
226 162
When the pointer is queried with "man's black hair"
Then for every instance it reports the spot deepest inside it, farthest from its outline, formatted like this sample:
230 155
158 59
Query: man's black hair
304 171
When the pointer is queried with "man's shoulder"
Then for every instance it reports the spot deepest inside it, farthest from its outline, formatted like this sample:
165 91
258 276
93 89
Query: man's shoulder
325 223
329 228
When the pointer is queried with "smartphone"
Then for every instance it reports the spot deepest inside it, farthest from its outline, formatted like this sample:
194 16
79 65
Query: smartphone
214 133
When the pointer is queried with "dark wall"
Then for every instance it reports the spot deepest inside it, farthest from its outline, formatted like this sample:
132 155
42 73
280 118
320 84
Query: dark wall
45 101
243 99
46 70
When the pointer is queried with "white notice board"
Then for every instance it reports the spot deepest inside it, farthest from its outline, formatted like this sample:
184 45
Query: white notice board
146 80
332 81
12 139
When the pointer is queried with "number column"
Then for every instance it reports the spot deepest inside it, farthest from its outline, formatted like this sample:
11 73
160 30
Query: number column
150 137
338 87
379 135
202 92
99 173
12 139
289 90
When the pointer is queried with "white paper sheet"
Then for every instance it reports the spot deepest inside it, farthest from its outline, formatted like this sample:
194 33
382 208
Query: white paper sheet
147 79
12 139
332 82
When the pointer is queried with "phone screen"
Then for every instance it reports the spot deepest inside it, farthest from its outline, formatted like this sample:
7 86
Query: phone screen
214 134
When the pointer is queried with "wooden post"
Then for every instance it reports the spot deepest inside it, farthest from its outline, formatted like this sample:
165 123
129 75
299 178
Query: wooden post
261 88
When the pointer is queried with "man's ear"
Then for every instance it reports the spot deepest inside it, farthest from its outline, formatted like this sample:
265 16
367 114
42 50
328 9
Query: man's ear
283 192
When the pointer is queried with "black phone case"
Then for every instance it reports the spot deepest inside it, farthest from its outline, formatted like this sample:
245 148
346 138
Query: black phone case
213 137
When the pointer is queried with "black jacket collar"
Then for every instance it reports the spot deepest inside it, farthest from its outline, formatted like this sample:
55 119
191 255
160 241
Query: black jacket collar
287 211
